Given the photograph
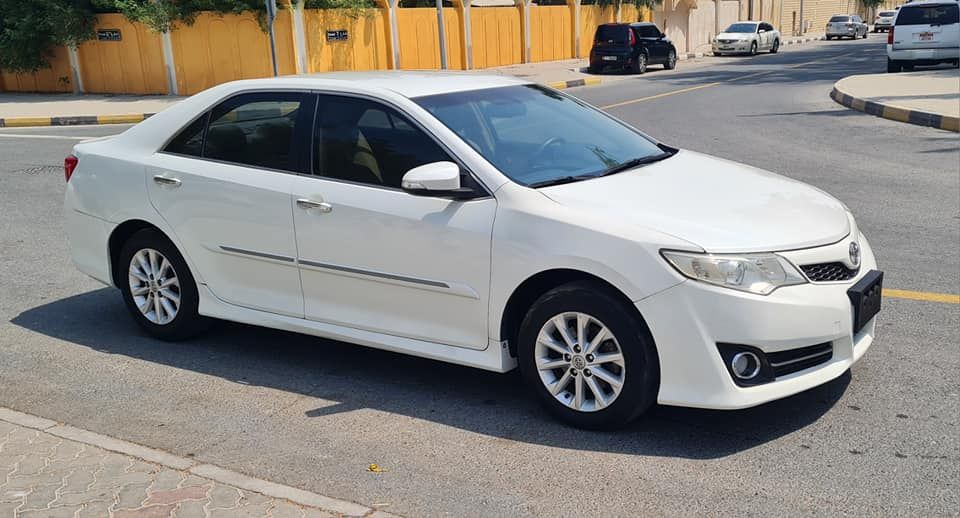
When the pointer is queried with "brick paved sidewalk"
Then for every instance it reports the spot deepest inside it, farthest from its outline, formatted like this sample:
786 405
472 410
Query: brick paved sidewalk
46 475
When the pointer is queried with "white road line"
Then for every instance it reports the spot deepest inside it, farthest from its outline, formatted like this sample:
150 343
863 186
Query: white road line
61 137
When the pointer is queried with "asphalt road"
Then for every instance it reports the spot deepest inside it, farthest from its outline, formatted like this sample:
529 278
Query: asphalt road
454 441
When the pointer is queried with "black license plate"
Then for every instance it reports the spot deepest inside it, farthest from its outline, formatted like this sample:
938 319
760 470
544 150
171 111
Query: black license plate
865 296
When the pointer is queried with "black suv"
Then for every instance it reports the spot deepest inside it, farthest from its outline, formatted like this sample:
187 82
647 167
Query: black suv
630 46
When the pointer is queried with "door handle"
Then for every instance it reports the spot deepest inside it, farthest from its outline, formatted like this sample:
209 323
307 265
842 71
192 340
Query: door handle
321 206
166 180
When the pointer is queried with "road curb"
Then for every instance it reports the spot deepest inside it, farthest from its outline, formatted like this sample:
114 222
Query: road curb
588 81
208 471
887 111
73 120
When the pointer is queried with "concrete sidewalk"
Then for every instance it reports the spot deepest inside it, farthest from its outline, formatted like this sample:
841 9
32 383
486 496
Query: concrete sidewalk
52 470
24 109
926 98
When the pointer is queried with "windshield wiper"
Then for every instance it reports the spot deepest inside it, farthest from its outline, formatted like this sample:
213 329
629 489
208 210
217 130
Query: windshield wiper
560 181
636 162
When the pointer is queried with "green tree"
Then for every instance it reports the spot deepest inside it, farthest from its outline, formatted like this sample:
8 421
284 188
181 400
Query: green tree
160 15
30 30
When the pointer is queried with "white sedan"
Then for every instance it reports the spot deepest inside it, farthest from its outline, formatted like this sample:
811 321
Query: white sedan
479 220
747 37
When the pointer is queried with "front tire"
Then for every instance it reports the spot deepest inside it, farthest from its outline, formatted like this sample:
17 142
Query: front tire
158 288
588 357
753 49
671 61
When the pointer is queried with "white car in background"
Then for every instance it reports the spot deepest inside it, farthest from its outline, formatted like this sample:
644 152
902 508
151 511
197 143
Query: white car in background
925 32
479 220
747 37
883 21
846 26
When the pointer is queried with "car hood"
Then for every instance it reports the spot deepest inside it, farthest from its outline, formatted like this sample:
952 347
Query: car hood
734 35
719 205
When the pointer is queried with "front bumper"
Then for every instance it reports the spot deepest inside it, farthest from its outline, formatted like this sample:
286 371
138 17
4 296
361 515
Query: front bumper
737 46
689 320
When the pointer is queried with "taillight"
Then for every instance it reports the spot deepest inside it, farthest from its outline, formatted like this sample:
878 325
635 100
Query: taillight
633 37
69 164
890 36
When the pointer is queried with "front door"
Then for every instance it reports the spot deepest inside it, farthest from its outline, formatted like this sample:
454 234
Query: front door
376 258
223 186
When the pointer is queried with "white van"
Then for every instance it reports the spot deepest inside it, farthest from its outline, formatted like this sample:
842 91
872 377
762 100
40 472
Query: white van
925 32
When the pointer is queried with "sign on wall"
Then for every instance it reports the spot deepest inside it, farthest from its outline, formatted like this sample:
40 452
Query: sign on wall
108 35
338 35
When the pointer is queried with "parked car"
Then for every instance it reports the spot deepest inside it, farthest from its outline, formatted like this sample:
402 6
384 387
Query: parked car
480 220
630 46
883 21
925 32
846 26
750 37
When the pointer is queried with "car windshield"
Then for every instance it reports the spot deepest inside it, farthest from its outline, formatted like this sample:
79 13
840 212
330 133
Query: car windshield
612 33
943 14
742 27
537 136
840 19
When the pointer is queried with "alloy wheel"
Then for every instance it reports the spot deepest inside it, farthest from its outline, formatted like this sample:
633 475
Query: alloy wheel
580 361
154 286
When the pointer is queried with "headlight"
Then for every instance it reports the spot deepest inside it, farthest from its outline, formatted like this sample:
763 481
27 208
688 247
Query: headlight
755 273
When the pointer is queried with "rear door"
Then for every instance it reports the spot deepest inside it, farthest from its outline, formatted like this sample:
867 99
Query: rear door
927 26
223 185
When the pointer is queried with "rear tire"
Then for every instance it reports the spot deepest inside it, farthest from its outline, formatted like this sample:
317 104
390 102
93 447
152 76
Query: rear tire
776 47
893 67
630 357
908 67
829 38
593 70
158 288
640 64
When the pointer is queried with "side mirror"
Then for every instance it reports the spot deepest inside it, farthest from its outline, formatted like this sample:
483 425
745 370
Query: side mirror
440 179
761 31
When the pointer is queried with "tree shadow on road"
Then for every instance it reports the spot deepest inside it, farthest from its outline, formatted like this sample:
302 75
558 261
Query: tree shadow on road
358 378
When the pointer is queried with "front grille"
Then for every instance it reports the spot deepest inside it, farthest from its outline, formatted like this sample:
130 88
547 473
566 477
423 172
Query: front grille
726 41
796 360
828 272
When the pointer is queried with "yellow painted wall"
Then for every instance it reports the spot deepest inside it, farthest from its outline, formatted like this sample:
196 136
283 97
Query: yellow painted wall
133 65
57 78
217 49
590 17
420 42
551 33
497 36
367 46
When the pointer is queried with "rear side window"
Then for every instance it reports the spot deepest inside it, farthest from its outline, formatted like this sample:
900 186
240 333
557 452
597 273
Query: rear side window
840 19
944 14
648 31
255 129
887 14
189 141
612 33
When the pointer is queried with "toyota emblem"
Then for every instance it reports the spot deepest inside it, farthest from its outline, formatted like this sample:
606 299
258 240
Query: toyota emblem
854 254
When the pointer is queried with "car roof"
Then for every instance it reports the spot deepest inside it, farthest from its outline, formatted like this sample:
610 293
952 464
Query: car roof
632 24
406 83
930 2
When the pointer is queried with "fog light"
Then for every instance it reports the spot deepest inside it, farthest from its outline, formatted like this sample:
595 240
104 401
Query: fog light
745 365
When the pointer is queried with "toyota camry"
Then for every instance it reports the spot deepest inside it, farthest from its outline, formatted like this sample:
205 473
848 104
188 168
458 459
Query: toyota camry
484 221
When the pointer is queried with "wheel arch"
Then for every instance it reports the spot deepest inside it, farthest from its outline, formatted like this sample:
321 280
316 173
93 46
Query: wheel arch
534 286
119 236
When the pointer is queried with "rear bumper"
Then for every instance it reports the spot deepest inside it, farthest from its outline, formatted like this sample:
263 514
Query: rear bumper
689 320
844 32
610 60
89 244
931 56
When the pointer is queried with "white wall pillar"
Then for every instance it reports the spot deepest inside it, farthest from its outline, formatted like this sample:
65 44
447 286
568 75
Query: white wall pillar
167 43
442 35
619 17
526 29
576 27
467 34
75 69
300 38
394 32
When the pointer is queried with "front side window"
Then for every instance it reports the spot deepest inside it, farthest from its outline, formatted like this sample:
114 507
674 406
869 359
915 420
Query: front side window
536 136
742 28
929 15
255 129
366 142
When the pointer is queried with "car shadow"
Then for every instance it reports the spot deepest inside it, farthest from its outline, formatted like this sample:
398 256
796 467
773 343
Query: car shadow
358 378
